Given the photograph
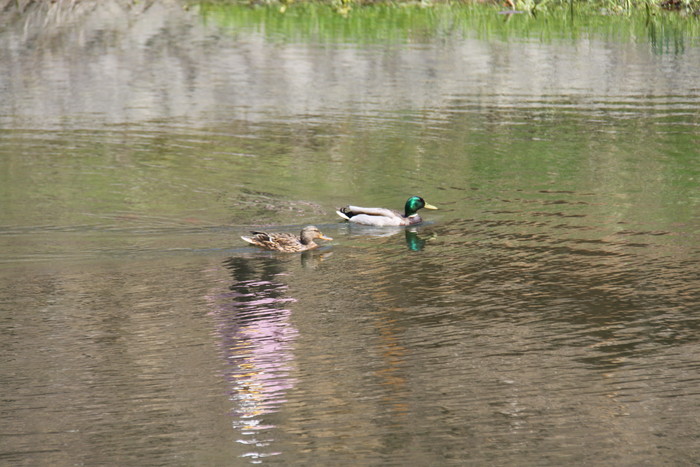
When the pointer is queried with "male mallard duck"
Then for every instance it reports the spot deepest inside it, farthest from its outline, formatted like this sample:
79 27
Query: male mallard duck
287 242
385 217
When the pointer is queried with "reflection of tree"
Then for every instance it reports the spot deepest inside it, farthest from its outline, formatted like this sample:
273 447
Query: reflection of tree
256 336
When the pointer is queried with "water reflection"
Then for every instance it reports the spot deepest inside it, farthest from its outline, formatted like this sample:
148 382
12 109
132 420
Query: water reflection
257 338
614 296
415 242
555 310
416 237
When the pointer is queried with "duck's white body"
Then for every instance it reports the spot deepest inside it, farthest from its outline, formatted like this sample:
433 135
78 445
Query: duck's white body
380 217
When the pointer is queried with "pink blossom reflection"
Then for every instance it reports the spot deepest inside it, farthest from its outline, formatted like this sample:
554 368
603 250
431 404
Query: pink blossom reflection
257 337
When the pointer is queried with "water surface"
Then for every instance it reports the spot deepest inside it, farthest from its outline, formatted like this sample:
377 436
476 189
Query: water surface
546 314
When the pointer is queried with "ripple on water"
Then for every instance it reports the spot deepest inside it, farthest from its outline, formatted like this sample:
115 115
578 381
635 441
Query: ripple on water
541 323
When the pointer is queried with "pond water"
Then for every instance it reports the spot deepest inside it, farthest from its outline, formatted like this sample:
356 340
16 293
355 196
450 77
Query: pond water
546 314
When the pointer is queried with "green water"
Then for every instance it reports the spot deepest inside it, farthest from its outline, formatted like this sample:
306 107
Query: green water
546 314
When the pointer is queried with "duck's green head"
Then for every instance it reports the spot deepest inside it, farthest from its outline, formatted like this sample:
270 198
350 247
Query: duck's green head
414 203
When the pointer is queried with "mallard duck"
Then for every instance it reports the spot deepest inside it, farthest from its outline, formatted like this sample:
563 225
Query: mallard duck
382 217
287 242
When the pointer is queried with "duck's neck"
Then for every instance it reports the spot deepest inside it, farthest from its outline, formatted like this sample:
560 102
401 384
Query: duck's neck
306 239
414 219
410 212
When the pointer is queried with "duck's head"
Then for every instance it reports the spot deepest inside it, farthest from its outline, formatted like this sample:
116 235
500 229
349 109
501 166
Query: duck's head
414 203
310 233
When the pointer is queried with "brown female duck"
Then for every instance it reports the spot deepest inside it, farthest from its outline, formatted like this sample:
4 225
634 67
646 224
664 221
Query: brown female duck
287 242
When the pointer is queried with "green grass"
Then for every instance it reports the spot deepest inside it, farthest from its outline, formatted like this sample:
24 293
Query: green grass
683 7
402 22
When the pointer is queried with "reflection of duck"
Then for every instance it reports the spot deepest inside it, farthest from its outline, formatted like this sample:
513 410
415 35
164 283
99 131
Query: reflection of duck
413 241
287 242
415 236
313 259
386 217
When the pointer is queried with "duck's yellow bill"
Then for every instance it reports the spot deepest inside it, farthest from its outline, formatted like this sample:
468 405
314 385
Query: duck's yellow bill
323 237
429 206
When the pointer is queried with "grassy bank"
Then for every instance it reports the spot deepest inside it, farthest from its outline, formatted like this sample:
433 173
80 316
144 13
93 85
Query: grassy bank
411 22
667 25
680 7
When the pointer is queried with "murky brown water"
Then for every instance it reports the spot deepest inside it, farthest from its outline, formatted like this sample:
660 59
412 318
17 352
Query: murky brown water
547 314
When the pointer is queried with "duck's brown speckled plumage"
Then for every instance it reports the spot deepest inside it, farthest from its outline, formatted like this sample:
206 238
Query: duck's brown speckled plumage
287 242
